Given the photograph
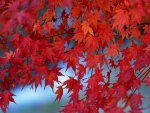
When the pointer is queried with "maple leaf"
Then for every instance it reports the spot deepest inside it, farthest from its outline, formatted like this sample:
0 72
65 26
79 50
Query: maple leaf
81 71
119 110
146 38
48 26
37 80
58 48
79 36
15 37
48 15
92 61
105 5
126 75
136 83
92 109
93 43
72 84
3 73
147 49
135 32
6 27
76 12
86 28
91 95
35 58
135 109
52 76
26 41
137 14
20 16
59 93
105 32
69 108
124 64
13 7
121 19
136 100
73 55
5 99
67 3
3 61
146 28
125 33
94 18
74 97
134 51
140 63
35 46
81 105
112 50
48 52
94 80
121 92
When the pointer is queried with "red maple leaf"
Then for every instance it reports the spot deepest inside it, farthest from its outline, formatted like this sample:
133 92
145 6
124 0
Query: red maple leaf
37 80
92 61
51 76
72 84
26 41
69 108
94 18
81 71
67 3
92 43
137 14
59 93
121 19
3 73
93 82
137 99
5 99
112 50
79 36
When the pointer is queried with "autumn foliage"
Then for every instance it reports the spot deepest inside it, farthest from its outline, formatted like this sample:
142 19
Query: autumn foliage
89 31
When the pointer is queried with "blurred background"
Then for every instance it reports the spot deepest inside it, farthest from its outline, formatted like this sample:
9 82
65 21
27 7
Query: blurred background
40 101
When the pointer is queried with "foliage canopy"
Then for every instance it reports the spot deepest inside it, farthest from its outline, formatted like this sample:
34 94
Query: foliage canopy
98 29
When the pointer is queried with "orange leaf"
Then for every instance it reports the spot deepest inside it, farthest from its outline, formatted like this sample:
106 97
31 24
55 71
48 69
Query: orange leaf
86 28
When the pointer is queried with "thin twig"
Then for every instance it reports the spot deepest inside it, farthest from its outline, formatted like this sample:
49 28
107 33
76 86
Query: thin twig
145 74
